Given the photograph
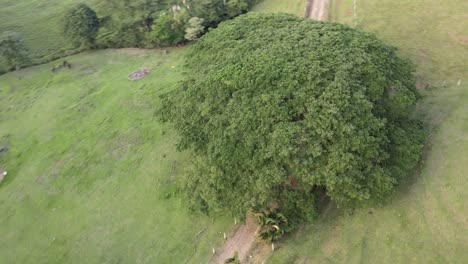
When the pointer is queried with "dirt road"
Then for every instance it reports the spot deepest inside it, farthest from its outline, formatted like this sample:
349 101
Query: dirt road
242 241
317 9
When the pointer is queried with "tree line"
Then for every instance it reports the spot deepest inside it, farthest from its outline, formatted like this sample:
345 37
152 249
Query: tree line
137 23
147 23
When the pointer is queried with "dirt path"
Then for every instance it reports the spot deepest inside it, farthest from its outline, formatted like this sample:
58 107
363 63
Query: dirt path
317 9
242 241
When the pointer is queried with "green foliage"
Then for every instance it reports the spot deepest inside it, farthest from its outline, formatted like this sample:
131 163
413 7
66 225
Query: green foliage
166 31
273 225
194 29
237 7
216 11
141 12
212 11
80 25
274 106
13 50
118 35
127 23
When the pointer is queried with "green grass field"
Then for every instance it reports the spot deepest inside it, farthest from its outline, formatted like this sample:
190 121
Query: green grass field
91 171
296 7
426 220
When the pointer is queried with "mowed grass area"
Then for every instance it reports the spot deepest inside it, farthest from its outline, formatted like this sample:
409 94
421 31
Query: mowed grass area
426 221
295 7
91 170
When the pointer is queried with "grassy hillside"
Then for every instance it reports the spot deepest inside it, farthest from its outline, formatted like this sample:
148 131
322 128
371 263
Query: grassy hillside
296 7
91 172
38 22
426 220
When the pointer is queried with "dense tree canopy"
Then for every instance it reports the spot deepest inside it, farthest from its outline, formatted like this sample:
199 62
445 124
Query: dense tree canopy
275 107
80 24
13 49
160 23
215 11
135 12
167 32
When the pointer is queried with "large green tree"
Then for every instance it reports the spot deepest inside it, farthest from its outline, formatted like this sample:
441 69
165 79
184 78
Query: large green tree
166 31
13 49
194 29
134 12
275 107
215 11
80 24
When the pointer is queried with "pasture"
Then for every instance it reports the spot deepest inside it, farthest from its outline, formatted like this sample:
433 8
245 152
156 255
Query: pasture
91 171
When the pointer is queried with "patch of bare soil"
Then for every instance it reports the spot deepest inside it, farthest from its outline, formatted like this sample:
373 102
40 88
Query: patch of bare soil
317 9
460 39
242 241
421 84
138 74
261 253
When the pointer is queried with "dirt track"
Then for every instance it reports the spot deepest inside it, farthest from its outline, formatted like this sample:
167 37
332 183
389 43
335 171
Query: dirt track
242 241
317 9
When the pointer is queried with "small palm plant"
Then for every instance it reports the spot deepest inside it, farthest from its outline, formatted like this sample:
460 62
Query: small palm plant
272 225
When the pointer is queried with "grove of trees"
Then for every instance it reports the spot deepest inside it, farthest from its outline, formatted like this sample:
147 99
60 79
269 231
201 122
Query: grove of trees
147 23
278 109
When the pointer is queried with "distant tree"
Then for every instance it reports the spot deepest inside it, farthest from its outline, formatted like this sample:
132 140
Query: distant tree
194 29
212 11
237 7
216 11
80 25
166 31
275 107
136 12
114 34
13 49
